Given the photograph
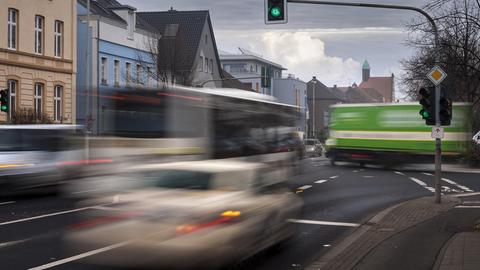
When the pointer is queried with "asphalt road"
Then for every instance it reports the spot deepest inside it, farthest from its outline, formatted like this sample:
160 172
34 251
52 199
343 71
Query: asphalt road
336 198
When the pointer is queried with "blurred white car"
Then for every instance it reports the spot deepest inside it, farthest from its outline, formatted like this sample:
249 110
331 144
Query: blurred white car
32 156
200 214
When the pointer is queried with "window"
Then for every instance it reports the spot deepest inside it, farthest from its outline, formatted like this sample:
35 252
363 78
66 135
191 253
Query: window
211 66
149 76
103 70
58 38
116 71
200 64
139 75
37 100
205 65
57 103
12 28
128 73
12 86
206 39
38 34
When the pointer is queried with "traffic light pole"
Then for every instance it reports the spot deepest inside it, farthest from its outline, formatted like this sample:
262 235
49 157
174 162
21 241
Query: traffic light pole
438 142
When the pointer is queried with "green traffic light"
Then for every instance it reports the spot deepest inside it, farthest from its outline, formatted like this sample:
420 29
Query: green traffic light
275 12
4 108
424 114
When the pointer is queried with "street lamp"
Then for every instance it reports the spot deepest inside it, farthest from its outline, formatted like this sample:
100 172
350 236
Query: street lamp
314 82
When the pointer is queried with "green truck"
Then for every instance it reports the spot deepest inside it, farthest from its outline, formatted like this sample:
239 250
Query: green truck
391 134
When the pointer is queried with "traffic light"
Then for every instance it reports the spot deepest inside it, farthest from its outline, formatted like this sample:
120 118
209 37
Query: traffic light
4 106
445 111
275 11
427 101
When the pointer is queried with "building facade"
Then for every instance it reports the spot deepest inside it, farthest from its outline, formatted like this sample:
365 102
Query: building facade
38 58
188 52
115 52
320 98
383 85
253 68
293 91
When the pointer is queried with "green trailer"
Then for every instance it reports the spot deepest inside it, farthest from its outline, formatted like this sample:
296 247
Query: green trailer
390 134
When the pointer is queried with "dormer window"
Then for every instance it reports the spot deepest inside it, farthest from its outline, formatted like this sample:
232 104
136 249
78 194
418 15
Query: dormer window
130 23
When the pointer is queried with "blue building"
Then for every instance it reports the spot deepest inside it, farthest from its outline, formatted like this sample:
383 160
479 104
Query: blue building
116 53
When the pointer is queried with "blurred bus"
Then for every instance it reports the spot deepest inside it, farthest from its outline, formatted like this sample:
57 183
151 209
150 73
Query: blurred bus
180 123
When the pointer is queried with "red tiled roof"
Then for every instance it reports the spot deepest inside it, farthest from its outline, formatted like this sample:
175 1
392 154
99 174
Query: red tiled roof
384 85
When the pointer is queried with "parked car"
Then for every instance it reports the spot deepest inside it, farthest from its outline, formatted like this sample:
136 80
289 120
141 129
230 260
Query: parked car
476 138
198 214
313 147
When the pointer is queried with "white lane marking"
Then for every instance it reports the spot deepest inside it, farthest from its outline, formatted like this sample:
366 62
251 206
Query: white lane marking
400 173
466 194
48 215
468 206
328 223
12 243
367 176
464 188
457 185
2 203
355 171
327 245
420 182
79 256
471 202
305 187
320 181
333 177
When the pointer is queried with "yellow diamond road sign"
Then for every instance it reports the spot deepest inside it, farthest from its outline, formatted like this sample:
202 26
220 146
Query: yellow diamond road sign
437 75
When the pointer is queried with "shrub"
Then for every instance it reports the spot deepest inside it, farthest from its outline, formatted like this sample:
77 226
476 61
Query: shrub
28 116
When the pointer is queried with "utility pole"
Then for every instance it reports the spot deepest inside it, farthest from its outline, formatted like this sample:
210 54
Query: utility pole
438 142
314 82
87 86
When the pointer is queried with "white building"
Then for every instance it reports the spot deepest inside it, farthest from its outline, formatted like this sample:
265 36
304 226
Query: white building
251 69
293 91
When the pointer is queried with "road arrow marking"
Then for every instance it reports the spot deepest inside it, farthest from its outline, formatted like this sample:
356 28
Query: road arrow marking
327 223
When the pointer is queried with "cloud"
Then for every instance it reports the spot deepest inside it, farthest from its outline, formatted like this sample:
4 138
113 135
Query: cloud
303 54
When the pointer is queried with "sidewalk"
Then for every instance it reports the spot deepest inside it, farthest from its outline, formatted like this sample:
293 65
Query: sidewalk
407 236
461 253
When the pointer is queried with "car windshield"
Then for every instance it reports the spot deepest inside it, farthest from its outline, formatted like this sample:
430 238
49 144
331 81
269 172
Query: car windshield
183 179
310 142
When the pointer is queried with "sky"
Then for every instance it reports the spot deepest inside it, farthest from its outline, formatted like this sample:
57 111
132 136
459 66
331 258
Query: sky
328 42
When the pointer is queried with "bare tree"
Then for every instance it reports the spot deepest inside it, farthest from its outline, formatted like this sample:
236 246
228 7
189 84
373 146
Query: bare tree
459 29
166 53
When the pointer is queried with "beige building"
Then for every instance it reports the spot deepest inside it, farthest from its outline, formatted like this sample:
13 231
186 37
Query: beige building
38 57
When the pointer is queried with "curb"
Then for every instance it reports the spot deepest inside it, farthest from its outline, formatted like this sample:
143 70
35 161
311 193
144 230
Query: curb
346 247
351 238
